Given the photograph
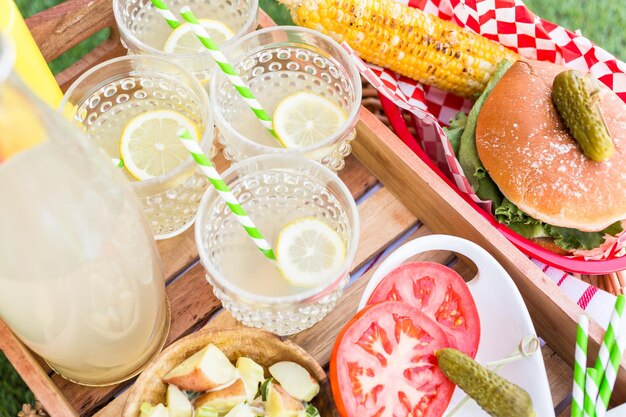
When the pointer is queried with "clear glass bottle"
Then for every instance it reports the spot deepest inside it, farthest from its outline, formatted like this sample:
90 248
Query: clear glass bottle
81 281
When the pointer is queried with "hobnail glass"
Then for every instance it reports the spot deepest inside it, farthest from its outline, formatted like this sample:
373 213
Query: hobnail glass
276 62
144 31
107 97
274 189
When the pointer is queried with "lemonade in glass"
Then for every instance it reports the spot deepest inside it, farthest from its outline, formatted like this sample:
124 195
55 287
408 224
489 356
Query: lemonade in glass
309 217
132 108
304 80
144 31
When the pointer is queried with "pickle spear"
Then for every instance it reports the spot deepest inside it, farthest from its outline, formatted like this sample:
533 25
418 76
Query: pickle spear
576 101
494 394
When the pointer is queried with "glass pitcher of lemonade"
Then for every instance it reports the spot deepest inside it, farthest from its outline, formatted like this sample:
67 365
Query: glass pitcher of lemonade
81 282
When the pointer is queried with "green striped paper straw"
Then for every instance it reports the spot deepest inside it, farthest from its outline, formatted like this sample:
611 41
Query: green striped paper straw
610 375
580 365
228 69
591 391
591 397
166 13
609 336
215 178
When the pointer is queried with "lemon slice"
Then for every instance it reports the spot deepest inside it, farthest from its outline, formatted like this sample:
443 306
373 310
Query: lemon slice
184 41
304 118
149 145
309 252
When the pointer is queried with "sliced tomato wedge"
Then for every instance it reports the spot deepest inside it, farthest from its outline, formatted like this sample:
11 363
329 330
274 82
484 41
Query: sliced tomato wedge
383 364
440 293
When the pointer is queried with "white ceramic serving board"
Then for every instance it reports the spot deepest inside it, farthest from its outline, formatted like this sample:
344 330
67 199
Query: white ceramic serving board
619 411
504 319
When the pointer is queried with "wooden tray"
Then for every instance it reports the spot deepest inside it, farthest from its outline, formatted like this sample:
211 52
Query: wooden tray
413 201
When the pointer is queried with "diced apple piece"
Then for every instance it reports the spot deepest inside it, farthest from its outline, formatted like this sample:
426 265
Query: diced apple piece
158 410
252 375
144 409
178 405
223 399
202 371
241 410
205 411
295 380
280 404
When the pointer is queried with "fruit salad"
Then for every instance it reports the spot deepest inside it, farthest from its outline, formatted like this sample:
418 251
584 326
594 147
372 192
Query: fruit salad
207 384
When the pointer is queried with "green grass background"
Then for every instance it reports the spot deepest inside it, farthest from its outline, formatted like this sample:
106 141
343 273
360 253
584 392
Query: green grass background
600 20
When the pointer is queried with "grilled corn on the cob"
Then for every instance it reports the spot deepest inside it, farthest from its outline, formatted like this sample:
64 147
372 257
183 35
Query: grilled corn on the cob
406 40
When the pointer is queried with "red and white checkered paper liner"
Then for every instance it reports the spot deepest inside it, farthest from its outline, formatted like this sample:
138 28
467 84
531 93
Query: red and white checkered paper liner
512 24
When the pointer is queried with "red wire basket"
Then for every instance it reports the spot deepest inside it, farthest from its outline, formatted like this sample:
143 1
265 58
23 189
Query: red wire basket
512 24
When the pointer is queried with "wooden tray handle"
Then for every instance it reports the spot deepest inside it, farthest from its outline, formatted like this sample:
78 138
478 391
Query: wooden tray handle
59 28
33 375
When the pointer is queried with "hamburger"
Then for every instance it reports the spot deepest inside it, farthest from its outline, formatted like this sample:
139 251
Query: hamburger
516 151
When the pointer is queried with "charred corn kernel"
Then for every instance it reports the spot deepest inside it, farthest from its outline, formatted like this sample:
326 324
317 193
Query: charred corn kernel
406 40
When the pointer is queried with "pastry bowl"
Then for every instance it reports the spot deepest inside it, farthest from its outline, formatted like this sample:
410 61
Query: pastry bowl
263 347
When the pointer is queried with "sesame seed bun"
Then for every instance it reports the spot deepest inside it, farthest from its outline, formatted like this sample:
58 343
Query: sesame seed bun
537 164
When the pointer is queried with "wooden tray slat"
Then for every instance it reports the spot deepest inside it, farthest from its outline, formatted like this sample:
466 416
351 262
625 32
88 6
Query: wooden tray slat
65 25
115 407
61 27
388 220
560 377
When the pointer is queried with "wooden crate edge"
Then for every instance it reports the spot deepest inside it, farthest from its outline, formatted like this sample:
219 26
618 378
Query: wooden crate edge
33 375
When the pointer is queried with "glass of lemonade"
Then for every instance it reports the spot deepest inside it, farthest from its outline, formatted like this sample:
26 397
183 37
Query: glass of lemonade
304 80
81 282
144 31
308 216
132 108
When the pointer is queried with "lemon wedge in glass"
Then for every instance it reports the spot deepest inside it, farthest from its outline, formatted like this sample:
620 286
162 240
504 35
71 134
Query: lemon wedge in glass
149 145
309 252
305 118
184 41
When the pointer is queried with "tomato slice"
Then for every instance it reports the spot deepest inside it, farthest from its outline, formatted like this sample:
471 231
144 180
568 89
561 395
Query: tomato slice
382 364
440 293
